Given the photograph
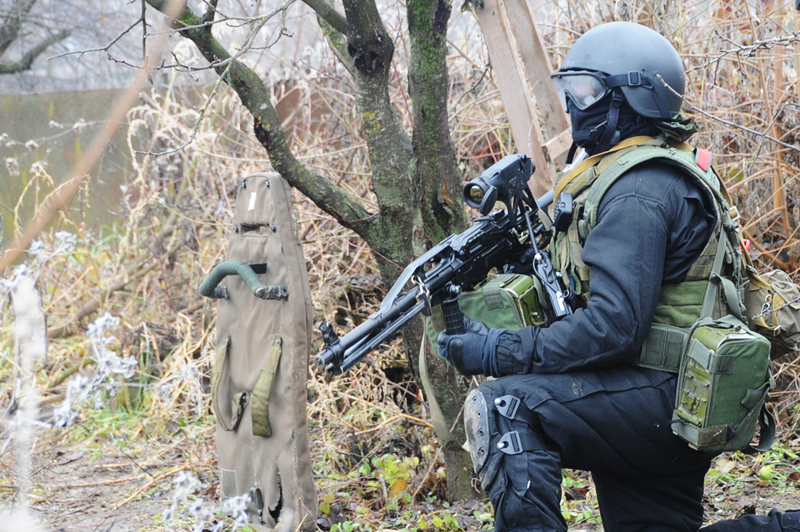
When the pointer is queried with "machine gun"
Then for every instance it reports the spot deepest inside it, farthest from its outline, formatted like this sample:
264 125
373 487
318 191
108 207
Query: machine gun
459 263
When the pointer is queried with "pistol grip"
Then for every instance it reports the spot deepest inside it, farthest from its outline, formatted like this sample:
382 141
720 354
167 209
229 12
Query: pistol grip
453 317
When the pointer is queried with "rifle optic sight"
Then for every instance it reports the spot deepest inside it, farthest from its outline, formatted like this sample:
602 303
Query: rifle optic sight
503 181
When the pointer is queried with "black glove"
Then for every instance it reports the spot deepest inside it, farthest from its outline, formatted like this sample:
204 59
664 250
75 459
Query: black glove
484 351
465 352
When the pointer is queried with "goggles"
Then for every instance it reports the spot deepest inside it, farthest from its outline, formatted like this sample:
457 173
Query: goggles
583 87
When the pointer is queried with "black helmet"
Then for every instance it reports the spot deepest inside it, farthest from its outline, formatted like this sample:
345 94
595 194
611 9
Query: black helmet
629 56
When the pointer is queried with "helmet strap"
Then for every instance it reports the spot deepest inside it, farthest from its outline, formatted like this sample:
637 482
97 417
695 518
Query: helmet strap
611 124
571 153
646 79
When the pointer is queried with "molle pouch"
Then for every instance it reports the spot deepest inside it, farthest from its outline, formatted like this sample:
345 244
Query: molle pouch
772 302
509 301
723 382
260 374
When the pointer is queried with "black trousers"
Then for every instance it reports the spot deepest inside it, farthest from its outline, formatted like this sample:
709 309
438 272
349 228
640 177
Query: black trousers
614 423
774 522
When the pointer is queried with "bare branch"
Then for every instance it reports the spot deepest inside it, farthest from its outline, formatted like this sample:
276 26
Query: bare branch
227 63
10 28
30 56
731 124
328 13
105 48
255 97
749 50
743 128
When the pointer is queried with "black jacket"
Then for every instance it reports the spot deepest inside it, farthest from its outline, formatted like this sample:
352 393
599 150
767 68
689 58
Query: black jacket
652 225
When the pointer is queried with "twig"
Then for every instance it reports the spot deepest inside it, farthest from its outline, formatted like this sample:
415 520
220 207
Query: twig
105 48
392 419
228 63
82 168
749 50
103 482
126 464
156 480
730 124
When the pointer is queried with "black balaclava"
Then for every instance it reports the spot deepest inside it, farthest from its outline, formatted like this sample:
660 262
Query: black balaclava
590 128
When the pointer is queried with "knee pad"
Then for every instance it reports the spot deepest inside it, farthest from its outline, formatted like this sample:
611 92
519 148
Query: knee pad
476 426
497 426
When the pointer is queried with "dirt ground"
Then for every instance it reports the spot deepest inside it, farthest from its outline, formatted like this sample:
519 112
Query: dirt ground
113 487
124 486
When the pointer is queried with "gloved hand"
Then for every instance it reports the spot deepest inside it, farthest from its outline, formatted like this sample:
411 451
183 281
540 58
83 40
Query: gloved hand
465 352
484 351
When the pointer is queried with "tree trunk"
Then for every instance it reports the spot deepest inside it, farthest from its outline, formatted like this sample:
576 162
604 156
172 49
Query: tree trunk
442 212
416 181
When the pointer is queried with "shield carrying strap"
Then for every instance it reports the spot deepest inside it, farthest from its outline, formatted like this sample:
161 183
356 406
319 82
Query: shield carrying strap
258 398
259 409
239 401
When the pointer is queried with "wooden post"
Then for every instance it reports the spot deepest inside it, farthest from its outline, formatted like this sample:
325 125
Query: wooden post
518 55
537 66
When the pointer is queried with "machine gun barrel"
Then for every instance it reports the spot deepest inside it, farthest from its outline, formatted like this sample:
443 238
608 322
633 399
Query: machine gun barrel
358 343
459 262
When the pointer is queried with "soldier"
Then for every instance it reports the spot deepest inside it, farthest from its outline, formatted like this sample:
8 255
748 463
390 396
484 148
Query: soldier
582 393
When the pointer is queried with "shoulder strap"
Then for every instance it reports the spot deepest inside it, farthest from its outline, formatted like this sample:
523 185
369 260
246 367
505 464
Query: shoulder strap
595 159
732 295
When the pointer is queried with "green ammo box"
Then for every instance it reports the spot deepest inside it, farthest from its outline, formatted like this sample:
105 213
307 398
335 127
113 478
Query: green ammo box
721 386
508 301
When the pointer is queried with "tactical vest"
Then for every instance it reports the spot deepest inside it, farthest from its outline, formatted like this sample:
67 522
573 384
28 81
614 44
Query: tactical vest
679 305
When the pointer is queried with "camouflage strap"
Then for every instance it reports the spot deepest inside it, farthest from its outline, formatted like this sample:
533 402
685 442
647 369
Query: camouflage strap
259 407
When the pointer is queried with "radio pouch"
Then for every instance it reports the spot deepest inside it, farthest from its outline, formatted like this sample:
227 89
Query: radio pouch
725 376
260 374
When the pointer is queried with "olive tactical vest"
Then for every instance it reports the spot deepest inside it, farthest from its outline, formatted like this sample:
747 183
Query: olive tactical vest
679 305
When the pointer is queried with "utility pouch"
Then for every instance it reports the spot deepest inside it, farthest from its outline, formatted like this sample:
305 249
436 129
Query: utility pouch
772 302
509 301
723 383
725 373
